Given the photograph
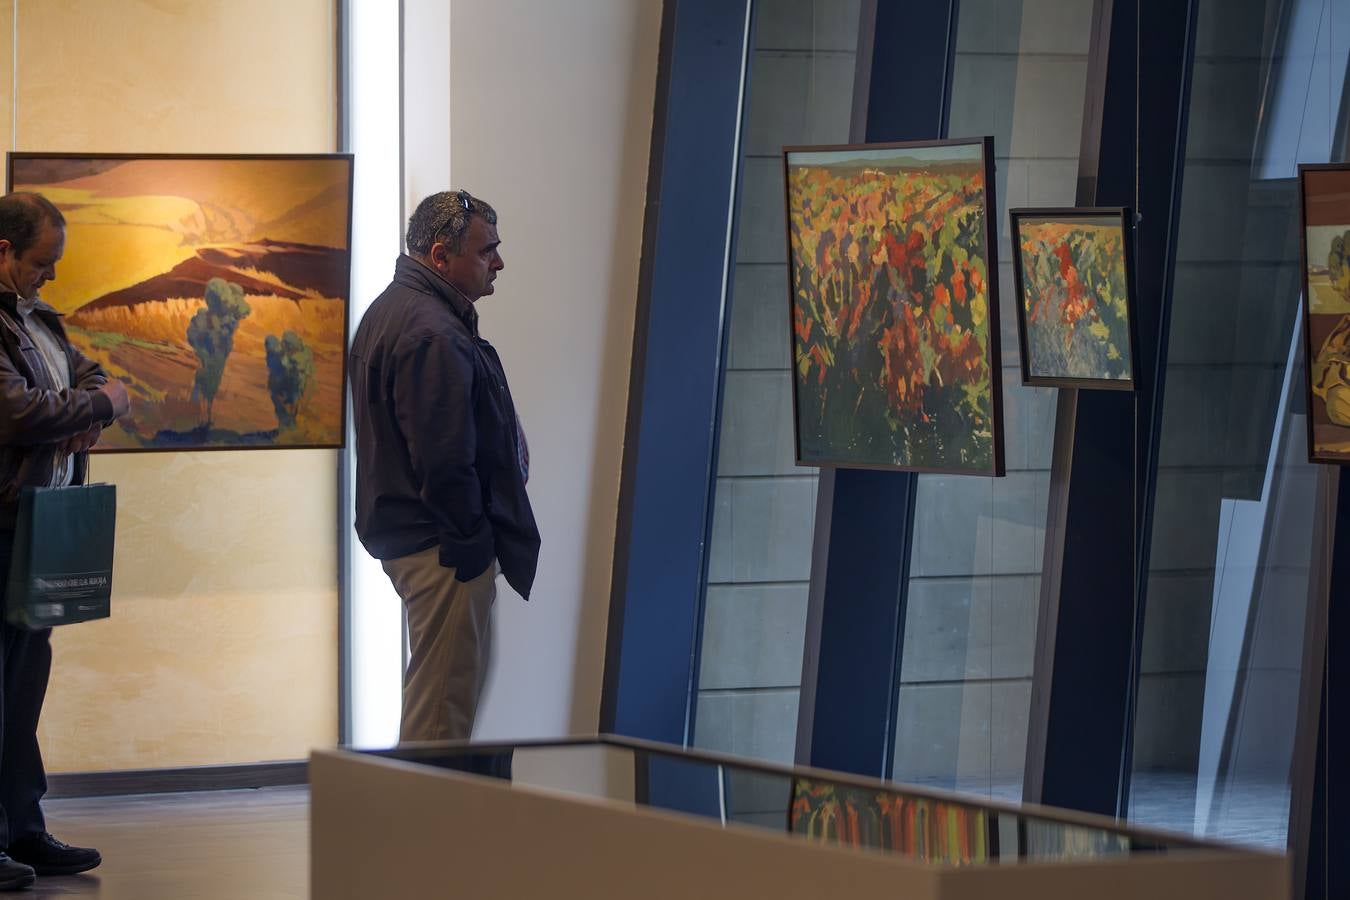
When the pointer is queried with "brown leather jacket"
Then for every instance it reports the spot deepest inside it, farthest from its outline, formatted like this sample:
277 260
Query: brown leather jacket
35 414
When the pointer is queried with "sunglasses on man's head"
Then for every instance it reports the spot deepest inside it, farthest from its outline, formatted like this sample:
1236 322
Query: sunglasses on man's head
464 198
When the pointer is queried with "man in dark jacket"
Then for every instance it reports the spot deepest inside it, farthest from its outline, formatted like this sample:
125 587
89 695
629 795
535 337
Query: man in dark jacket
54 401
441 460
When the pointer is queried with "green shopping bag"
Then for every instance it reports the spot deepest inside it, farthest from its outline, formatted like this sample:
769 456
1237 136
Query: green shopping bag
61 571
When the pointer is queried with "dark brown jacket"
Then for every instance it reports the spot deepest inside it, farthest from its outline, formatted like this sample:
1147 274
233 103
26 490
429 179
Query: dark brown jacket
438 453
36 415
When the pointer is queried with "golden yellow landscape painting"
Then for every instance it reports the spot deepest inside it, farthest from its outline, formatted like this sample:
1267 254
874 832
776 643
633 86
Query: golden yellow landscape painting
214 287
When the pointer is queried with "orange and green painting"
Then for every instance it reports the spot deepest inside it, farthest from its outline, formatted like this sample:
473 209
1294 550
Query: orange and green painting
894 312
917 827
215 288
1075 304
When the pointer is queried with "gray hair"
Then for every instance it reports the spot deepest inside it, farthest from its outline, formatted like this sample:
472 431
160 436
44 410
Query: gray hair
444 218
22 215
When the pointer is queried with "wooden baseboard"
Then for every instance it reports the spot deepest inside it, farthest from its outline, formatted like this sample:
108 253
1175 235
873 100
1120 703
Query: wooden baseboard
190 778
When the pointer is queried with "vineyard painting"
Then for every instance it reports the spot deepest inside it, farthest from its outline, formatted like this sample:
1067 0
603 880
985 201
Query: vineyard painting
917 827
215 287
1325 191
1072 271
894 306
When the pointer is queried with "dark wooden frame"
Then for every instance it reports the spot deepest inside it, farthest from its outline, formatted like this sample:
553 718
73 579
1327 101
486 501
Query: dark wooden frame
341 443
992 349
1067 215
1308 349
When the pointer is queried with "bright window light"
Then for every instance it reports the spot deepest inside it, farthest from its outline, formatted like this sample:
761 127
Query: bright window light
374 128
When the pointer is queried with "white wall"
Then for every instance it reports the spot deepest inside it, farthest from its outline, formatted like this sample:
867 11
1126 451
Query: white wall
549 120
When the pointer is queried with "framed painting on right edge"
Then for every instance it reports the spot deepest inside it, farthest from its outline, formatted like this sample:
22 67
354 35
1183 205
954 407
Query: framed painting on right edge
1073 273
1324 194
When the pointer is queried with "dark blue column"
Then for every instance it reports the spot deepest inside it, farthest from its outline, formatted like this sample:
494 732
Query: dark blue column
677 351
860 573
1100 496
1319 838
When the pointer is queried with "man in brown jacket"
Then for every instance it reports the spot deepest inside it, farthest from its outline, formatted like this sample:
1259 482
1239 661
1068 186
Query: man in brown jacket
54 401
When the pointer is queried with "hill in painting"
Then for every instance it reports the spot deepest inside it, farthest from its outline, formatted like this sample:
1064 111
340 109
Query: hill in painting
279 268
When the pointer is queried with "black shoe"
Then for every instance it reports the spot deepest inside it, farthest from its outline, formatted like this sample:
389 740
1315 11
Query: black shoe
14 875
48 856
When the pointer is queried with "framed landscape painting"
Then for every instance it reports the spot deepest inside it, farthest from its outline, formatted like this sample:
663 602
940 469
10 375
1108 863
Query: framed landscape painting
215 287
894 306
1324 192
1073 271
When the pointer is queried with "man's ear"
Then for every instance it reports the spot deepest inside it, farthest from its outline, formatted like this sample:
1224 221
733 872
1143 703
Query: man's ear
5 248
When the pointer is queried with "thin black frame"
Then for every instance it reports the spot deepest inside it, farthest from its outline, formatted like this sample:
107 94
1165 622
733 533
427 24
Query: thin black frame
993 349
1070 214
341 443
1306 305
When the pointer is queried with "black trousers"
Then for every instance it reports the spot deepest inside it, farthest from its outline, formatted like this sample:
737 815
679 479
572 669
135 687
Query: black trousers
25 664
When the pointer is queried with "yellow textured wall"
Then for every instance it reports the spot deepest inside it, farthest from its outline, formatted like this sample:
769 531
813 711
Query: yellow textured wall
222 647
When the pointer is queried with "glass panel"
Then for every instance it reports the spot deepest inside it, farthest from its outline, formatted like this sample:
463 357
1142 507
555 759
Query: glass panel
801 88
1227 583
929 826
970 631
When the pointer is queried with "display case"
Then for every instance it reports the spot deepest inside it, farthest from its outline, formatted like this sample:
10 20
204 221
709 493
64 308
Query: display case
615 817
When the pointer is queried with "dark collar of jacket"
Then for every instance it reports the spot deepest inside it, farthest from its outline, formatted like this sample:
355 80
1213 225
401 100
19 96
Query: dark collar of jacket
415 274
9 302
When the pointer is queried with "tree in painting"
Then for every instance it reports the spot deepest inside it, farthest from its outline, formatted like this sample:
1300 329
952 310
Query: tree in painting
211 336
290 368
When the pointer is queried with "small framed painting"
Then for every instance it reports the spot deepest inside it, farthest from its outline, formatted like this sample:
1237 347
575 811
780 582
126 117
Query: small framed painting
1073 272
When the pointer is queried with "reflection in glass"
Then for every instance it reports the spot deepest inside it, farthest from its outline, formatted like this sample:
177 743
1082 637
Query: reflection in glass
846 811
918 827
970 631
1227 586
800 72
1046 840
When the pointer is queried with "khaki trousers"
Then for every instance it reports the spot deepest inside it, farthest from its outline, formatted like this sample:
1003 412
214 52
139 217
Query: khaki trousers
450 643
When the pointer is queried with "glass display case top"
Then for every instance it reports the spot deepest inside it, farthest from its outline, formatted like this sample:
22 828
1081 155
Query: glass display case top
824 807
